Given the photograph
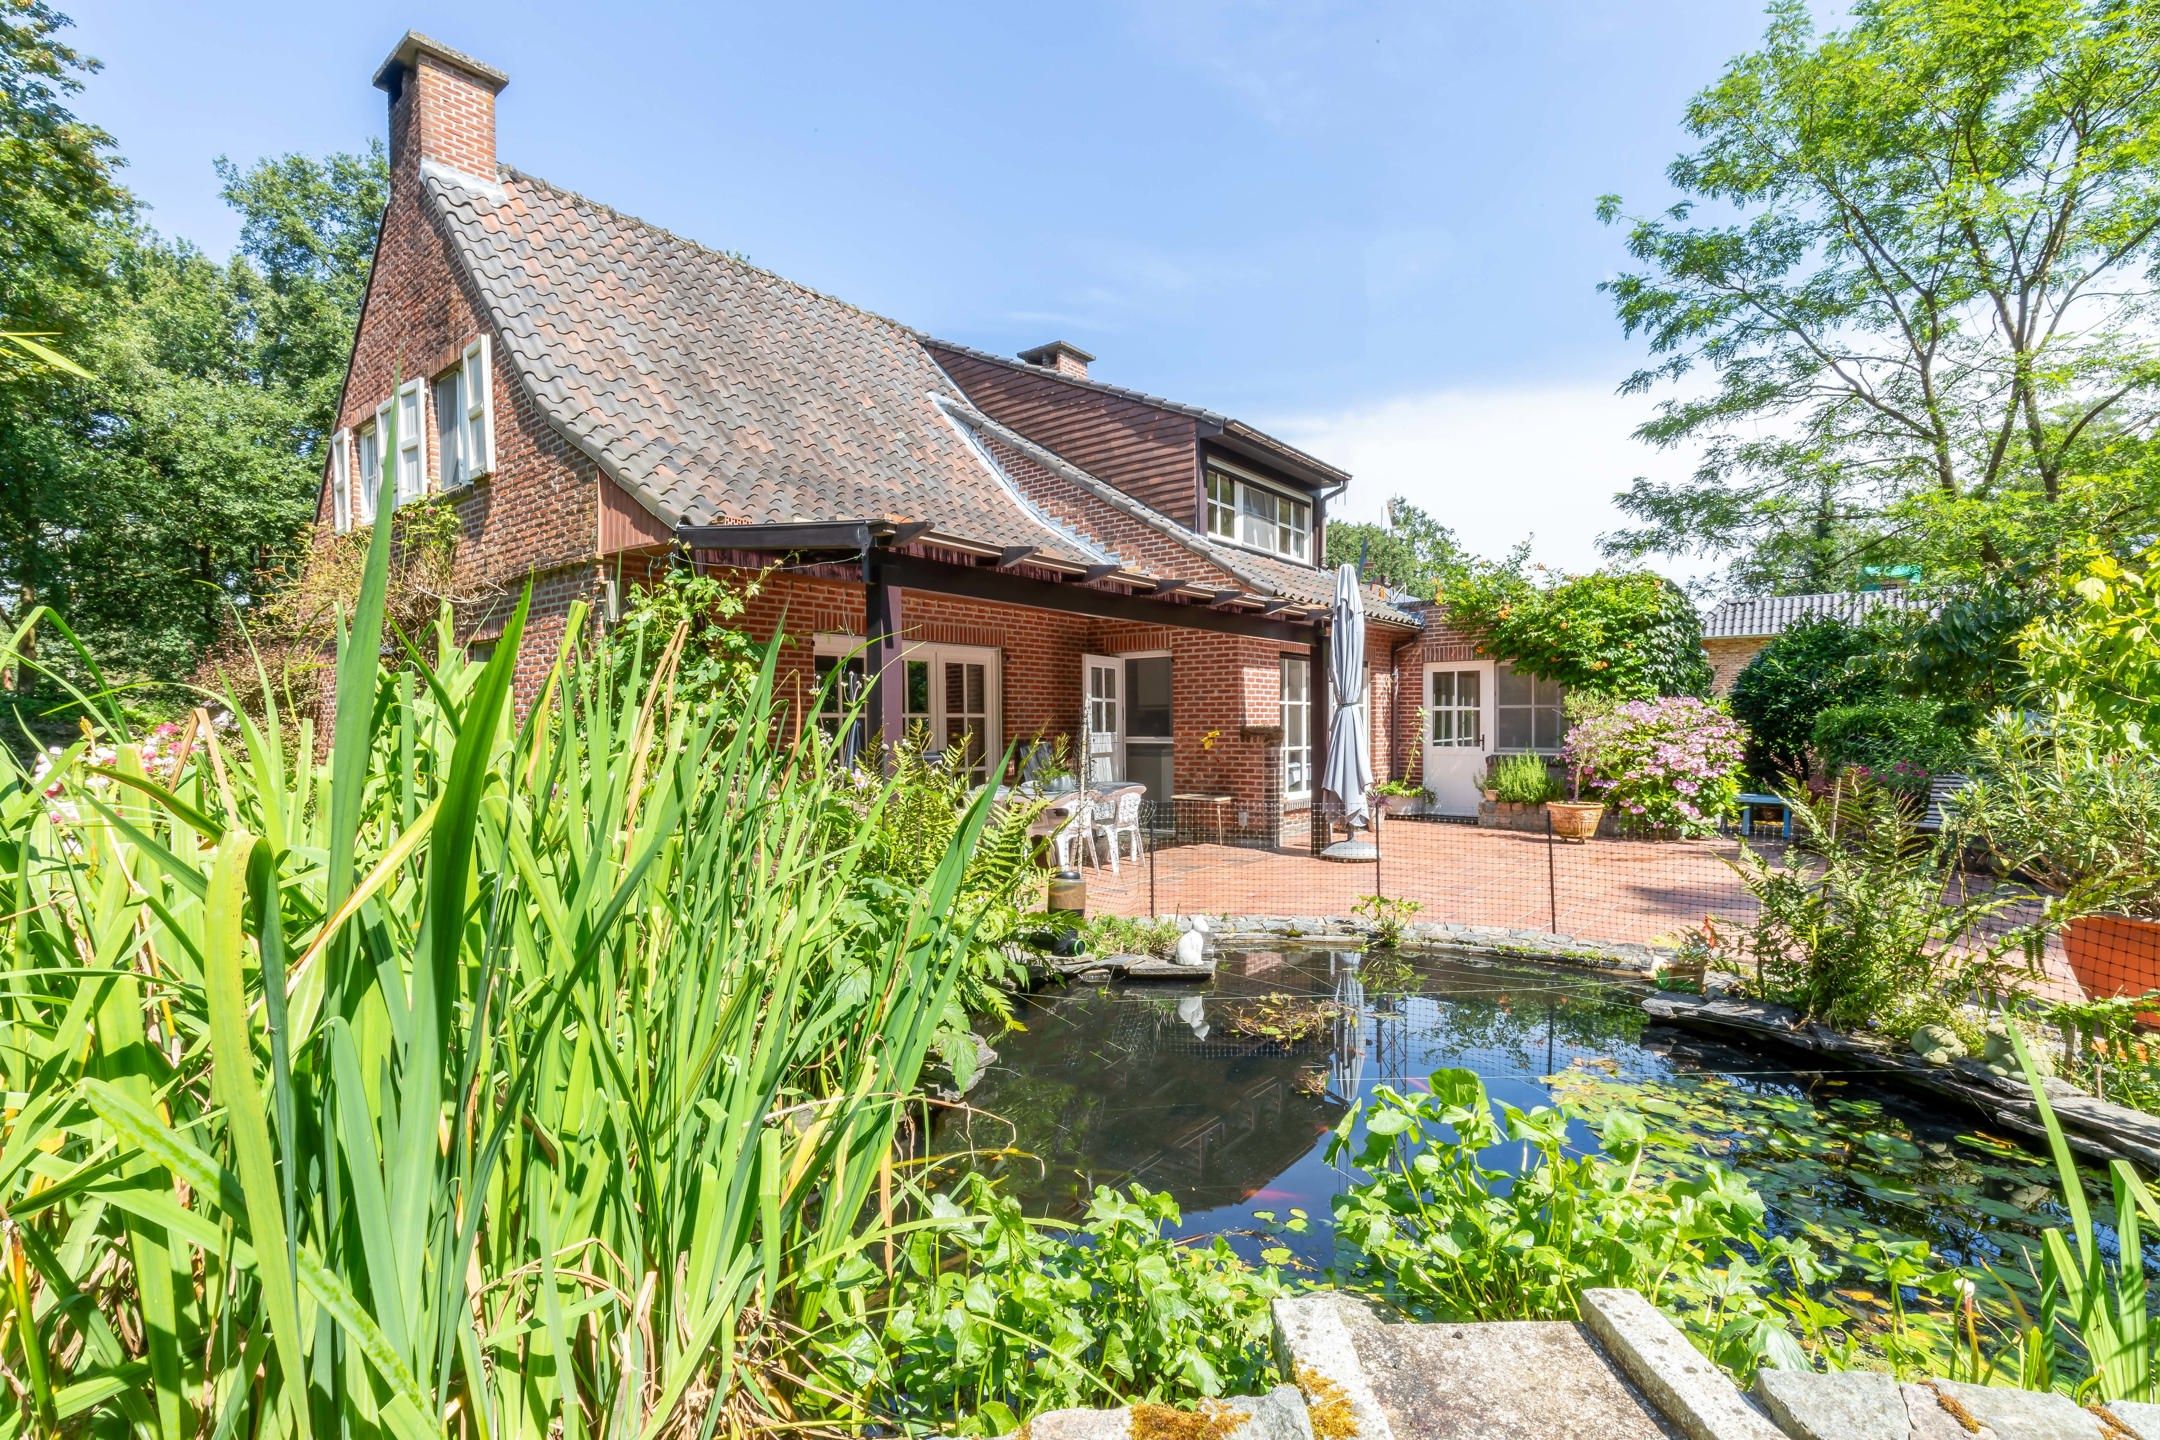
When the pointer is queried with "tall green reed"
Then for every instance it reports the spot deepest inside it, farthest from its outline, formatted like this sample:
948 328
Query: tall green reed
485 1073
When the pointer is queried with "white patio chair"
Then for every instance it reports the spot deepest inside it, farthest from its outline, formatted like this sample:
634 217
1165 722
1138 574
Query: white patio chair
1077 834
1123 823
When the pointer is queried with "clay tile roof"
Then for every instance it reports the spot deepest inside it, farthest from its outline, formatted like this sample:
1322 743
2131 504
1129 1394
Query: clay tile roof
720 393
1755 616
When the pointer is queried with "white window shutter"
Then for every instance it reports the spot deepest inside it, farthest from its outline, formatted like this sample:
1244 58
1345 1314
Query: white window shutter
479 393
341 481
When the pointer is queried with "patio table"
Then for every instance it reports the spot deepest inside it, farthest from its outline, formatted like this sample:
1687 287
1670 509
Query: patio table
1221 804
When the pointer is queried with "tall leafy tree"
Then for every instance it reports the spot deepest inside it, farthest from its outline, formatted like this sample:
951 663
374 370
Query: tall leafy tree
147 499
1410 551
1908 296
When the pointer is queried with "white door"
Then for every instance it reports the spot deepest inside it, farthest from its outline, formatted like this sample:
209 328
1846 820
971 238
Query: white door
1102 746
1458 731
952 696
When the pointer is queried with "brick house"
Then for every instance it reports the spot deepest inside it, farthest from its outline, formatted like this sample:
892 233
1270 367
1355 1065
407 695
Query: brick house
999 549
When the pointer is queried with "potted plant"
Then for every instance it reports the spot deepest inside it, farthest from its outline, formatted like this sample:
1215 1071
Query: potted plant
1669 767
1401 797
2074 805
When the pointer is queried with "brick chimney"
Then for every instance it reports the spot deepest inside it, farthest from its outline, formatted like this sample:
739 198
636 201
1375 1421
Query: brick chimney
1061 356
442 108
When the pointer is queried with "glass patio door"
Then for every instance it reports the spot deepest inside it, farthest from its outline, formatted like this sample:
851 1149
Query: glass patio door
951 693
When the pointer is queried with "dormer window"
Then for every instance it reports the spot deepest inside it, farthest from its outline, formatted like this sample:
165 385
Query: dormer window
1259 516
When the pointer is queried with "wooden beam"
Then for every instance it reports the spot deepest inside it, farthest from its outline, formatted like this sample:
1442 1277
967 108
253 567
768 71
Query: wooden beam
909 533
1172 587
909 572
1100 572
1014 554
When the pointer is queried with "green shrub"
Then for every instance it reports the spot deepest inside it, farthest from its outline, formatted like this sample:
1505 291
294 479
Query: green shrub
995 1316
1898 741
2067 801
1809 668
1389 916
1522 780
1853 927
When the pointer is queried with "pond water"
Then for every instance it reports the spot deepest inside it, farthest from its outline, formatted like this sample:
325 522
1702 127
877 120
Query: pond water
1157 1084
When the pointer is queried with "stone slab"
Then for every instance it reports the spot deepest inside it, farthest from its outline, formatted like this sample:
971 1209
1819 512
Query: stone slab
1147 967
2139 1416
1314 1347
2025 1414
1855 1405
1501 1380
1685 1386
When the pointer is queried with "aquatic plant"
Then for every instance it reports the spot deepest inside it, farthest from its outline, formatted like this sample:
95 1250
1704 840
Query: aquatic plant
995 1316
1287 1020
1442 1233
2091 1310
508 1074
1131 935
1389 916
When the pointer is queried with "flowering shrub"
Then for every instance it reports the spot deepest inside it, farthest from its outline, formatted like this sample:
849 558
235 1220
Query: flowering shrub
1670 765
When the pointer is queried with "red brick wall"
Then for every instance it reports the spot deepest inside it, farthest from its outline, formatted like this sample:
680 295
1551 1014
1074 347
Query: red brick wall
1227 689
535 518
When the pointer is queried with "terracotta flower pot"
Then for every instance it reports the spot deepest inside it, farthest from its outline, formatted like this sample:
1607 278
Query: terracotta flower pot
1574 819
2114 955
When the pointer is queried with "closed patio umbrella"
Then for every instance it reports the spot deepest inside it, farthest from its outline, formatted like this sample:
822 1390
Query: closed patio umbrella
1348 776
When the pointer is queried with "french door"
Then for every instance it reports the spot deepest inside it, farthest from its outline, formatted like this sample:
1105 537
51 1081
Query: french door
951 693
1102 742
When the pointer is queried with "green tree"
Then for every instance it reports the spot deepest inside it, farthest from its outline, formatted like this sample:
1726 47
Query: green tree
1410 551
2102 656
1914 256
148 498
1816 665
1626 634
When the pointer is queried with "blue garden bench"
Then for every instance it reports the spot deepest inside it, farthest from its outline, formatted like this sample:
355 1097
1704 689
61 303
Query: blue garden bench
1749 804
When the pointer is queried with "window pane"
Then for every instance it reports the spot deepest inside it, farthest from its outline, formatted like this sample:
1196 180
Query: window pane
918 690
1513 728
1468 684
1147 697
1550 727
1512 687
448 431
1443 688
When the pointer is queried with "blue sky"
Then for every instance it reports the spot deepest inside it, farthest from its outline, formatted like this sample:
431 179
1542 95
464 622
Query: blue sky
1367 227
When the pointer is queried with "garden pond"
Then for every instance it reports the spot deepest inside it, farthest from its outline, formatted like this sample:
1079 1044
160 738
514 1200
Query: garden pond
1225 1093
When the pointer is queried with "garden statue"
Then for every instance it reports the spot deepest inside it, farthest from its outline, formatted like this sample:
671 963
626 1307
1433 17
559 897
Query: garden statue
1192 944
1937 1044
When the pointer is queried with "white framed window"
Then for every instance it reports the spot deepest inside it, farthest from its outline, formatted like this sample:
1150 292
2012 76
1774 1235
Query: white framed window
411 469
368 447
1529 714
476 376
1259 516
341 507
1457 708
835 698
1297 757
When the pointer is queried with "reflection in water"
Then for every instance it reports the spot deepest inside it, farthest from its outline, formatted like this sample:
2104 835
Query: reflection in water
1144 1083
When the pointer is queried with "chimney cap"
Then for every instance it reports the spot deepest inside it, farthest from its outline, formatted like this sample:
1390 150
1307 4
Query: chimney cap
1049 354
414 45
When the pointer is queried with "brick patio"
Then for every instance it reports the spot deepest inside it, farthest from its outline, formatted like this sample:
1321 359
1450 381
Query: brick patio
1614 891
